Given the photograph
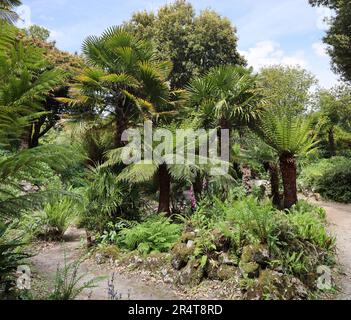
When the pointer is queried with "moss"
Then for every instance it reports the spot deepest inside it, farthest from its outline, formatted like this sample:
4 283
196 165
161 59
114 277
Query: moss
250 269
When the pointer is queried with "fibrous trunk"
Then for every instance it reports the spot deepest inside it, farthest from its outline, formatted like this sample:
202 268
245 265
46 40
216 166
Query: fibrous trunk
288 171
165 189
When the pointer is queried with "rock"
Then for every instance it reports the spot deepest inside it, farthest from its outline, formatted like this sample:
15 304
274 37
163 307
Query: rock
191 275
212 269
276 286
226 272
256 253
250 269
138 260
168 279
190 244
188 236
180 255
27 187
224 258
100 258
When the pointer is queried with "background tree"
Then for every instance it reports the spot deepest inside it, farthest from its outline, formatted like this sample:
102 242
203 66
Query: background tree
339 35
193 43
7 12
287 87
333 117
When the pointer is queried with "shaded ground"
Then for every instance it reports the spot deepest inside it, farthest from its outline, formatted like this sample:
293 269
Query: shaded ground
339 218
50 255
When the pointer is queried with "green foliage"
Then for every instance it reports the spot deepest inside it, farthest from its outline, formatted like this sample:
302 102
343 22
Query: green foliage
329 177
157 233
339 35
7 10
11 256
193 43
108 199
54 219
287 87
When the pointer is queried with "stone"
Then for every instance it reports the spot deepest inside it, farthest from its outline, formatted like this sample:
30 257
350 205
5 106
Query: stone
226 272
256 253
180 255
250 269
224 258
191 275
276 286
190 244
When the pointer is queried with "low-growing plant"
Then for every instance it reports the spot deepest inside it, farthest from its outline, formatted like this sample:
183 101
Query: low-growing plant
11 256
68 284
53 220
156 234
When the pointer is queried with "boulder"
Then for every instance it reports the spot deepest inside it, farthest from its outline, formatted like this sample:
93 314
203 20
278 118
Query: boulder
226 272
181 254
192 274
225 258
256 253
249 269
276 286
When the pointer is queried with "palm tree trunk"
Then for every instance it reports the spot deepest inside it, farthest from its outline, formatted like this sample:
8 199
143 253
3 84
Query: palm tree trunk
288 170
331 142
274 177
165 189
121 126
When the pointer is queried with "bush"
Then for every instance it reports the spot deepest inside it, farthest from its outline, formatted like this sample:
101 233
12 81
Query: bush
331 178
10 258
297 241
53 220
109 200
156 234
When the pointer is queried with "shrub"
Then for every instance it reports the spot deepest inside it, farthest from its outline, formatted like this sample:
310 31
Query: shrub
155 234
329 177
10 258
53 220
109 200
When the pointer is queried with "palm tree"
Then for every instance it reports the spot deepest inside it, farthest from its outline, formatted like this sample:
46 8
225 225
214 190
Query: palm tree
227 96
124 78
166 171
290 136
7 12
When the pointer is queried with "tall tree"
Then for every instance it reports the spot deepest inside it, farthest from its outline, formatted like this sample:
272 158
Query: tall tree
287 87
339 35
193 43
7 12
333 116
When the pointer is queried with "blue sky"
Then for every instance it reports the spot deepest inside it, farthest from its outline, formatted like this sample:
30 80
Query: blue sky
270 31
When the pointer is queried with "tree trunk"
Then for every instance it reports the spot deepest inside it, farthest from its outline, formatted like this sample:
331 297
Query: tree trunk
274 177
331 143
165 189
288 170
26 138
121 126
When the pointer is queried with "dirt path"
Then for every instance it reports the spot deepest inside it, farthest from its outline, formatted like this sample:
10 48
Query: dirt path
46 261
339 218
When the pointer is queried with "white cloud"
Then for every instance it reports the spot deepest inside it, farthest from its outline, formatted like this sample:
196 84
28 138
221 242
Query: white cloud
266 53
25 14
320 49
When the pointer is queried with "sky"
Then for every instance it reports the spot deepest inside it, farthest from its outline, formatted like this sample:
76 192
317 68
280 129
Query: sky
287 32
